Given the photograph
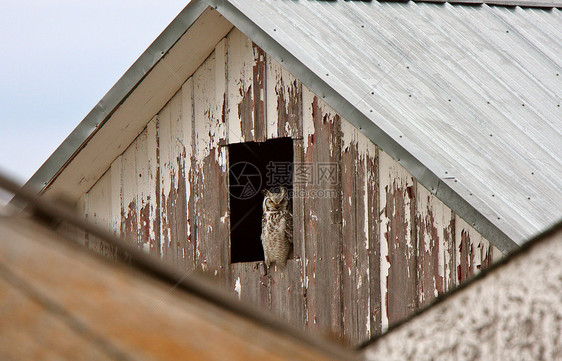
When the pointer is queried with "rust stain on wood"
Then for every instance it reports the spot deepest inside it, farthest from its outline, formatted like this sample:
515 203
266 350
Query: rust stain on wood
322 221
465 267
357 218
246 113
373 199
258 71
129 225
449 266
289 110
401 297
212 235
430 281
178 248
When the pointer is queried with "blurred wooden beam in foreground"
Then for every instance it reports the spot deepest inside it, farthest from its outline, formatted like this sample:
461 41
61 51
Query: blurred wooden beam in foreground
59 301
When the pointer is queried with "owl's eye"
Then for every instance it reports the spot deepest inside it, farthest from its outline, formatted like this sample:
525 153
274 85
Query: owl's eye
269 203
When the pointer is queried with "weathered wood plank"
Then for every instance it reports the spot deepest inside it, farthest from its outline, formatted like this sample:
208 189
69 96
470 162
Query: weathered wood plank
116 194
250 284
210 168
349 206
246 89
321 132
473 252
175 245
98 206
435 229
373 201
398 255
131 315
357 153
30 331
287 292
148 223
129 190
284 102
188 144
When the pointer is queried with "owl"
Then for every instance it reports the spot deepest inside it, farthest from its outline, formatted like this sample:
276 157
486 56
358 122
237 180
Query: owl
276 226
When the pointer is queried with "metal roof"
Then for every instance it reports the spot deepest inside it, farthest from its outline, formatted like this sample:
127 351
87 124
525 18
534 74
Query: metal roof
467 98
470 95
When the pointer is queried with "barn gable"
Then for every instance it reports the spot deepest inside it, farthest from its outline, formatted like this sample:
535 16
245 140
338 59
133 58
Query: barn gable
155 167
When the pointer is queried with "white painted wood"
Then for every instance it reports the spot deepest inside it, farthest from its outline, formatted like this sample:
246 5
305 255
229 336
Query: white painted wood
240 67
391 175
367 232
147 230
129 207
187 140
220 100
128 121
435 247
210 165
281 86
478 248
116 194
150 189
209 90
99 204
167 172
81 206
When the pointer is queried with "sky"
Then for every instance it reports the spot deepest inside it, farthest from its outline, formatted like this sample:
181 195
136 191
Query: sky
59 58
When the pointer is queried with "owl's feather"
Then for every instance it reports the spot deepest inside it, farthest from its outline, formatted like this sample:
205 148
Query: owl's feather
277 227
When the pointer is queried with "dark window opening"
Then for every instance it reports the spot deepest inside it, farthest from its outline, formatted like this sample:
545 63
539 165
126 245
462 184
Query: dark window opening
253 167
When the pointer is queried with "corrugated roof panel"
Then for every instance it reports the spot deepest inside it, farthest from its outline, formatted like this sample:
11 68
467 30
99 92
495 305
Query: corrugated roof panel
473 92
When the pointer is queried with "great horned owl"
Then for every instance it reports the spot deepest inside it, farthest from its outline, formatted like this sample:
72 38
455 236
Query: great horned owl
276 226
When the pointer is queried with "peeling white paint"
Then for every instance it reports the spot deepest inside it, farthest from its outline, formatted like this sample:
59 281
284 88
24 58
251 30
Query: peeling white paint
238 287
223 218
308 121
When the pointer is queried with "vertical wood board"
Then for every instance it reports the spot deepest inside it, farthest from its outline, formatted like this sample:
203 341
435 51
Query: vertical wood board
250 284
210 167
355 234
286 286
473 252
398 255
148 224
246 89
322 145
175 245
435 230
284 102
98 208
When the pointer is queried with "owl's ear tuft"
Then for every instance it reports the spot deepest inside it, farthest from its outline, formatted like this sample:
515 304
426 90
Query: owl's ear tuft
265 192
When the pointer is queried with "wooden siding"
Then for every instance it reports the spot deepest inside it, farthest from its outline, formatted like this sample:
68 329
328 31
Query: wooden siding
373 248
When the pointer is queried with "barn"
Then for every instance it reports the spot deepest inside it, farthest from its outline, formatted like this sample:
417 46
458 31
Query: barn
419 140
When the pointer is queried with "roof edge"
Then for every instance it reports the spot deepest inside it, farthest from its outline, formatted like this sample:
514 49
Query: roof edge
421 172
102 111
507 3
